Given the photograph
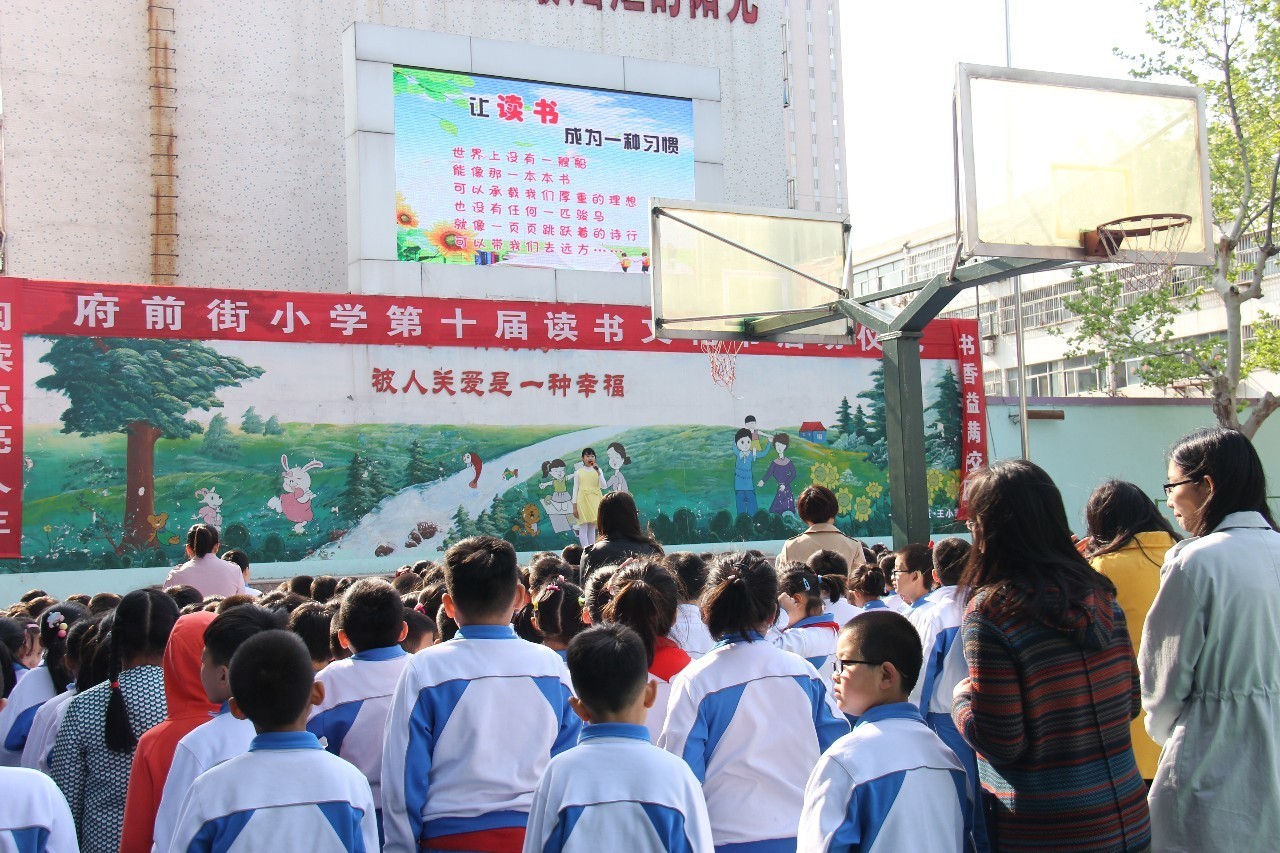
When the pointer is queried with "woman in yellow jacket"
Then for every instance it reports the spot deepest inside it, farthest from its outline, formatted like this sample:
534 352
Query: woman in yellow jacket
1128 540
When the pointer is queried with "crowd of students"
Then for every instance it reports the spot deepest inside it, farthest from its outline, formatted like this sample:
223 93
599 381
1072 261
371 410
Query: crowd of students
941 697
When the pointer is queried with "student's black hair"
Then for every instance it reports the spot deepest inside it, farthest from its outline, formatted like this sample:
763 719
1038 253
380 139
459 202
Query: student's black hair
586 451
608 666
420 625
690 570
1021 536
344 584
79 598
311 622
406 582
93 652
557 608
1116 512
949 558
800 582
240 599
336 649
183 595
142 625
741 596
884 636
1231 460
618 518
271 677
103 603
372 614
546 568
645 597
240 558
828 563
572 554
597 593
228 631
817 505
481 573
323 588
37 606
834 587
917 558
202 539
13 633
75 643
55 627
32 595
445 625
868 579
300 584
422 568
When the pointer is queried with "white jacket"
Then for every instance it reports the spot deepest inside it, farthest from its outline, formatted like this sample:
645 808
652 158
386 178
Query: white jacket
1211 689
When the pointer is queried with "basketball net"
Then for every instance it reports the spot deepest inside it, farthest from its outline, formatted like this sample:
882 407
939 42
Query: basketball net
1150 243
723 356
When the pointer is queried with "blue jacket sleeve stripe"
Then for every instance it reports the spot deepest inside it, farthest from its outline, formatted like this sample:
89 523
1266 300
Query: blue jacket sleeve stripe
16 738
669 824
345 820
557 695
559 837
828 727
333 724
715 712
430 715
31 839
219 835
933 664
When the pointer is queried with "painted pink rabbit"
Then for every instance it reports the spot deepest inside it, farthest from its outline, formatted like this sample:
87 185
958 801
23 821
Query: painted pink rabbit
295 502
211 512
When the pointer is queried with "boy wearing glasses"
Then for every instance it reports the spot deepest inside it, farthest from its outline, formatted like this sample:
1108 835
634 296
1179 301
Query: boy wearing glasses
865 793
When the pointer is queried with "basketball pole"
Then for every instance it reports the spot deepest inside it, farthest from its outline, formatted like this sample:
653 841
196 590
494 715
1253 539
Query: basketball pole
1024 428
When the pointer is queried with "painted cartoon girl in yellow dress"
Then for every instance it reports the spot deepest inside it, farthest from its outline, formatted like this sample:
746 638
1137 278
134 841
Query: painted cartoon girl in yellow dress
587 493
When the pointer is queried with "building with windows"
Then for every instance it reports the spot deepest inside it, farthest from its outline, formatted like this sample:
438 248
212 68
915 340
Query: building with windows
1052 371
816 172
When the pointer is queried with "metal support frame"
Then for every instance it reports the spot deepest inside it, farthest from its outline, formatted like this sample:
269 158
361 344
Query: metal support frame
904 392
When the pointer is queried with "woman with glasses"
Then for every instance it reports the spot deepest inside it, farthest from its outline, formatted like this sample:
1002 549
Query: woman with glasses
1210 675
1052 685
1127 541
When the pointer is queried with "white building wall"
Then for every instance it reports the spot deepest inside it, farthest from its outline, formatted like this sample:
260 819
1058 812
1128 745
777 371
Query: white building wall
260 124
814 120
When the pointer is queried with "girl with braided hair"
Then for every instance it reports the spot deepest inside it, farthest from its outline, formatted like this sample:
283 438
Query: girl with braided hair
93 752
750 719
41 683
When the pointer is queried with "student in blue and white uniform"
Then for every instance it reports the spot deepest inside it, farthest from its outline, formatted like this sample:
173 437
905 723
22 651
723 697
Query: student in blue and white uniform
811 630
938 624
749 719
352 719
34 816
689 632
41 684
912 576
889 785
557 613
80 643
475 720
226 735
833 570
616 791
866 587
286 792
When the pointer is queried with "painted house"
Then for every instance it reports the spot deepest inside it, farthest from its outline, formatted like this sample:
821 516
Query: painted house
813 431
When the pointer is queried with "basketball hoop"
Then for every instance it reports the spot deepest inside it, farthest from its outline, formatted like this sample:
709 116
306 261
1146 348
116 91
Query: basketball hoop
1150 244
723 356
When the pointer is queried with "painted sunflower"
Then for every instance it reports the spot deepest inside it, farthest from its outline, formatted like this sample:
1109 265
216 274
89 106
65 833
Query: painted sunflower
844 498
405 217
934 480
862 509
455 244
824 474
875 490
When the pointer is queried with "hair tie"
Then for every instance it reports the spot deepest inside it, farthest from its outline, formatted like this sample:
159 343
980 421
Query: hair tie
805 581
582 601
553 587
418 607
731 577
115 685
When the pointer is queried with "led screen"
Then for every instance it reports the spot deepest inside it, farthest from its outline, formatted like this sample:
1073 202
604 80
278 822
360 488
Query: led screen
498 171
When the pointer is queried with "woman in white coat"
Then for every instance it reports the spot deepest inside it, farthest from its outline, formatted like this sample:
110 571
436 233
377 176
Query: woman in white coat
1210 673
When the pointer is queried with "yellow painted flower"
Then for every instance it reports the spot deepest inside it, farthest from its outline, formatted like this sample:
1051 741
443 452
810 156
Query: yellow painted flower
454 243
845 499
405 217
934 480
953 488
825 474
862 509
875 490
48 528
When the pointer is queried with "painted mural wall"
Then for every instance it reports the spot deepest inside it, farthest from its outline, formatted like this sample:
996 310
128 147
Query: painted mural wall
312 427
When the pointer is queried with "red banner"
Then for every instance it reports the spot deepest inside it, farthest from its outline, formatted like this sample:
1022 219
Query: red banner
141 311
11 460
973 402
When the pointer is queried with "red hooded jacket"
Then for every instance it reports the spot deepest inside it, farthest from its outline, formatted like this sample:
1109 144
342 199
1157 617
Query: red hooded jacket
188 708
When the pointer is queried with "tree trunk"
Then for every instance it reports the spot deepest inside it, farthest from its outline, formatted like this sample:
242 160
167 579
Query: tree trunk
140 481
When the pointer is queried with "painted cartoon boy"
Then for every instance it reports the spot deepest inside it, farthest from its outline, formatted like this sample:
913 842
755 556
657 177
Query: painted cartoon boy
743 481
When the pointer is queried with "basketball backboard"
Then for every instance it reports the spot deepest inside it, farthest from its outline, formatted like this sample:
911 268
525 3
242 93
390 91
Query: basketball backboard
720 271
1044 157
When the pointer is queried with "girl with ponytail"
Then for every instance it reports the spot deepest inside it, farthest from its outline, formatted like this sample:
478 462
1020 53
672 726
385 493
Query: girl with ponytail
645 597
78 647
557 614
810 630
93 752
750 719
41 683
